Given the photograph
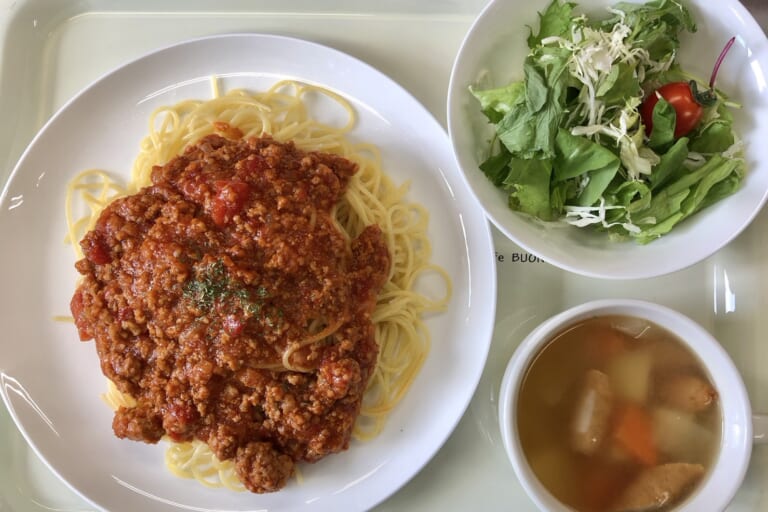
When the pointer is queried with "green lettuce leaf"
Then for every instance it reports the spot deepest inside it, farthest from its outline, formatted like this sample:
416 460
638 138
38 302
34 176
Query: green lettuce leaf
655 25
496 103
720 171
632 195
496 167
621 83
599 180
689 194
554 21
562 193
662 228
578 156
671 163
664 120
724 188
528 186
663 206
715 137
530 128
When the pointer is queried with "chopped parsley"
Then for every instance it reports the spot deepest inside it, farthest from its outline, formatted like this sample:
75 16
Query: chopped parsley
213 283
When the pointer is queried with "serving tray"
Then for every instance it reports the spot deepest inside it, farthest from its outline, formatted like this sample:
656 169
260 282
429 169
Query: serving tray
49 50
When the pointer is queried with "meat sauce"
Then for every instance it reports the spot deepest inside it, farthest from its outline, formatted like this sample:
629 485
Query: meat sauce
196 286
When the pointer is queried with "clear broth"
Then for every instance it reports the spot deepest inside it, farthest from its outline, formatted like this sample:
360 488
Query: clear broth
550 390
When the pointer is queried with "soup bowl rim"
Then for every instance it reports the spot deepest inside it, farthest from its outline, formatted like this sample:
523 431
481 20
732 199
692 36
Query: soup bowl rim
722 480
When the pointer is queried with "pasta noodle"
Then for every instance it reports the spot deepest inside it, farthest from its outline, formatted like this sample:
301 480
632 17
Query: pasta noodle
371 198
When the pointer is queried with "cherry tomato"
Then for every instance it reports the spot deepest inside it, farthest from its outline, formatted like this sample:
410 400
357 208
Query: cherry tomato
680 96
686 98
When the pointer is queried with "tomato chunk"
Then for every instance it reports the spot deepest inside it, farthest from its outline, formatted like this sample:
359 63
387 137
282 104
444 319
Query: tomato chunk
229 201
95 249
233 325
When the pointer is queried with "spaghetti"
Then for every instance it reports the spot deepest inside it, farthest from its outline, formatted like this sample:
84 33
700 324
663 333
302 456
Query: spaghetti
371 198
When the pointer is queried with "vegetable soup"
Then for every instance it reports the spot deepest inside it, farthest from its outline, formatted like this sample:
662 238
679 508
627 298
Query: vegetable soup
617 414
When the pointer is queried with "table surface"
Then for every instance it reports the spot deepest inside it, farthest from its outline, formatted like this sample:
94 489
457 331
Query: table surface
27 485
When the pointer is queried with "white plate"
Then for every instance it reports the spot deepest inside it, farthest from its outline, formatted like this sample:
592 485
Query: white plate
51 382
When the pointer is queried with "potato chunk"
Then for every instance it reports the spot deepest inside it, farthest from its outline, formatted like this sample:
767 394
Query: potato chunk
680 437
630 374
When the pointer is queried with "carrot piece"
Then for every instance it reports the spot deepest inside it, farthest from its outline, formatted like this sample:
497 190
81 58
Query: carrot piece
604 343
633 431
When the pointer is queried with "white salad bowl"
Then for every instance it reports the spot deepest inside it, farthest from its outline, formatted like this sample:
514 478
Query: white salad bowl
492 55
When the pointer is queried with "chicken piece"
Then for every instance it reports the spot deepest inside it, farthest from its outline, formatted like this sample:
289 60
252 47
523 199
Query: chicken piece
669 356
686 392
659 487
590 422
